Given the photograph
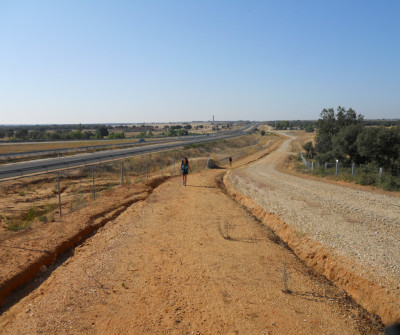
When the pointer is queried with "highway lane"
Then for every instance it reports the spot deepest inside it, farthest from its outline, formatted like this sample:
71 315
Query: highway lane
73 150
42 166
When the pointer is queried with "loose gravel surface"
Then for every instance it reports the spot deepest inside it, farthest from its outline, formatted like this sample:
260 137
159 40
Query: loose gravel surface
359 225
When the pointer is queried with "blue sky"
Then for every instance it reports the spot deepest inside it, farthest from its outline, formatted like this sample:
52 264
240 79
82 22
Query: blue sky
160 61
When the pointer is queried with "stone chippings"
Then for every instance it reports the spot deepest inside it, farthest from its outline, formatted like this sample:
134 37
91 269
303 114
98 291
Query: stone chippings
362 226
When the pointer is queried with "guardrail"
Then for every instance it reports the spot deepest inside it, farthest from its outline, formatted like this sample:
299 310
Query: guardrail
35 167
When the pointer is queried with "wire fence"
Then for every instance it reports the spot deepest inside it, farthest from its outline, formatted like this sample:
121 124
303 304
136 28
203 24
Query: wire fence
49 197
365 174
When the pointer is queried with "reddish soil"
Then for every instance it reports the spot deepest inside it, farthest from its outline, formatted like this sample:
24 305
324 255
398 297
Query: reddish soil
181 260
25 252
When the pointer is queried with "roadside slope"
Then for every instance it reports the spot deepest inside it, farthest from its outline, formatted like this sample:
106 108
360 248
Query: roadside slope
360 230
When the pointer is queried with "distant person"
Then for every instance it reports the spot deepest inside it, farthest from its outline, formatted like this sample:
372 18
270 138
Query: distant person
185 170
230 161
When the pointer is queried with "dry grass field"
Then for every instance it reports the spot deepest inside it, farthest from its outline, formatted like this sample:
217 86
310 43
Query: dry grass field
131 136
6 148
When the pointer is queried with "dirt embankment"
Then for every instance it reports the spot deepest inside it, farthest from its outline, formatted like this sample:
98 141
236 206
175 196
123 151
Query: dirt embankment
347 235
23 254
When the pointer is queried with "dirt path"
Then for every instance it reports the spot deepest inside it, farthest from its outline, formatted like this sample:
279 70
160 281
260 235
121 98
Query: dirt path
361 228
188 260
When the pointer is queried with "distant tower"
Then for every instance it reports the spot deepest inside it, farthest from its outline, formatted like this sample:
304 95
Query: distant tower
213 118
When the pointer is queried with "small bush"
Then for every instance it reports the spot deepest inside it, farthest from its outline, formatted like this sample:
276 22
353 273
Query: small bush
49 207
43 219
21 193
16 224
78 202
366 178
391 183
32 214
286 275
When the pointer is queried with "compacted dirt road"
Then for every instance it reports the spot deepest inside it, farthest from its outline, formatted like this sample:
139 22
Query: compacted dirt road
187 260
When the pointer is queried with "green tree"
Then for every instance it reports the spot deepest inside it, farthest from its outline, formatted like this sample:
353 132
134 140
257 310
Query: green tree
309 128
344 143
102 130
309 148
334 140
182 132
262 132
22 133
9 133
282 125
171 132
380 146
116 135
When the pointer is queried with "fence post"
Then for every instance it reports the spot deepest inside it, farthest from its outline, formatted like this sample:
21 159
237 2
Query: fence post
380 174
312 166
326 165
59 192
94 191
337 167
122 173
353 169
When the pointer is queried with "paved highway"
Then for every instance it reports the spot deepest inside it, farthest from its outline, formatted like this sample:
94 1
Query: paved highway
48 152
42 166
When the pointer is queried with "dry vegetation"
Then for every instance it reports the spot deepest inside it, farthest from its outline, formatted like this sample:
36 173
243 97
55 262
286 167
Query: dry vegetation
131 136
25 147
34 200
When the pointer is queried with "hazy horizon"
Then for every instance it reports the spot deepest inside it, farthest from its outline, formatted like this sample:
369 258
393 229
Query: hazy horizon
159 61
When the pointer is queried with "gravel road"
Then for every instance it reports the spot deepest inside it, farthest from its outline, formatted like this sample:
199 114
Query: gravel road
359 225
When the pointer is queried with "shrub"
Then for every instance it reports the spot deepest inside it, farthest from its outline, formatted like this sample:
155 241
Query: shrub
366 178
32 214
391 183
43 219
16 224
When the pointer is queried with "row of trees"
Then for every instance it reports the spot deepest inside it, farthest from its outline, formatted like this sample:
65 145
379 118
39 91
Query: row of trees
40 134
345 137
308 126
